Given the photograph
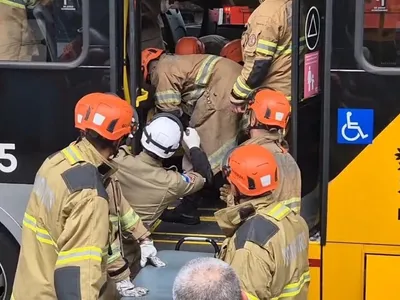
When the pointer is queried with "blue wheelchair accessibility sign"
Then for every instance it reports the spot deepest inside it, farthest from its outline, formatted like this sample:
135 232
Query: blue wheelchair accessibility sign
355 126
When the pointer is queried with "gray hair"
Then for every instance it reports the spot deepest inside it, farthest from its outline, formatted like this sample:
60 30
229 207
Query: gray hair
206 278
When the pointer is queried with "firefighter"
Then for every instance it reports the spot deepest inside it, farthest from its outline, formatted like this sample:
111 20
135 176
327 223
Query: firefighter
198 87
65 228
146 184
152 23
267 49
267 116
233 51
267 242
17 41
122 217
189 45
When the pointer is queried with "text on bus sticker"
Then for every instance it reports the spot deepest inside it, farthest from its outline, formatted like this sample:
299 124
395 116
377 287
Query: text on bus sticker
8 162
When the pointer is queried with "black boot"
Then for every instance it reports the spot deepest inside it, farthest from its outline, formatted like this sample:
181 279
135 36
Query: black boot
186 212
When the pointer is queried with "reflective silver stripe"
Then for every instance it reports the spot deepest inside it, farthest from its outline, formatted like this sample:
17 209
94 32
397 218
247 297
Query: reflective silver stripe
15 3
241 89
266 48
216 158
116 252
206 70
293 289
168 97
79 254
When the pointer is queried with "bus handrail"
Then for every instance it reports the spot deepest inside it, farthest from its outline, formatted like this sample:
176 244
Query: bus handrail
58 65
359 44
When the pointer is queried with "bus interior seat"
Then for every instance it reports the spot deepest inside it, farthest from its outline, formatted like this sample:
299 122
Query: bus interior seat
174 27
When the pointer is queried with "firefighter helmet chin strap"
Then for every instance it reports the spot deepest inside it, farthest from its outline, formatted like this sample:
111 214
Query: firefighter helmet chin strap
149 139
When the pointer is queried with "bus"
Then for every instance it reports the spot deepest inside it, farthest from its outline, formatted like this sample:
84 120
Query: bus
344 126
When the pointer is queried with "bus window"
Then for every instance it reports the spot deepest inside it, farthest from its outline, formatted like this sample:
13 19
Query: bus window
51 31
382 33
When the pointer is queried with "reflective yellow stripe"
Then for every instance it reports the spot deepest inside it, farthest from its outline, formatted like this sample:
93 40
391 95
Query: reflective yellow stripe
206 69
216 158
42 235
302 44
72 154
279 211
168 97
79 254
12 297
114 220
266 48
251 297
116 252
14 4
293 203
293 289
283 50
241 89
129 219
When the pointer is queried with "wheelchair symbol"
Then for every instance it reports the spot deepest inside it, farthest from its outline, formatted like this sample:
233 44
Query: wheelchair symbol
352 126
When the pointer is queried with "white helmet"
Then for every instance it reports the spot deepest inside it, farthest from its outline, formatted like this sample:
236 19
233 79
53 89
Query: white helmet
162 136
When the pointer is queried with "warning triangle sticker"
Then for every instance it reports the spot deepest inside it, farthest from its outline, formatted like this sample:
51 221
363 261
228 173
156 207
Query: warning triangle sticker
312 29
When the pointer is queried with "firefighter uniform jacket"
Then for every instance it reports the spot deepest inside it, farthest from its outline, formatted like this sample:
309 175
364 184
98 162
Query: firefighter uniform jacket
151 25
289 187
65 230
149 187
17 41
199 85
267 50
124 220
267 246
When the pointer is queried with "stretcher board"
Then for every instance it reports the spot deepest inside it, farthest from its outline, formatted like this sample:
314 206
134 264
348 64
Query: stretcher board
159 281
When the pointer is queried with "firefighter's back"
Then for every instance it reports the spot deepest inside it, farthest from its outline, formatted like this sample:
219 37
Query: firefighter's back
58 188
290 248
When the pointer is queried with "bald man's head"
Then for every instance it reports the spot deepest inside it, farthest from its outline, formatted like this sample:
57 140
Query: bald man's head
206 279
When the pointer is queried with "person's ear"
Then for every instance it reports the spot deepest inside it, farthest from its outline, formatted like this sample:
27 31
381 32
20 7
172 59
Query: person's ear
244 296
253 119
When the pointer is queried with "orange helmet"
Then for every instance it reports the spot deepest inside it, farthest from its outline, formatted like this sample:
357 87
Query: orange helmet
107 114
148 55
252 169
189 45
233 51
81 109
271 108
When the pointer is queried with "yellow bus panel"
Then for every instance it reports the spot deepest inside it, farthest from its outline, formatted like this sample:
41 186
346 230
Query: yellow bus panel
382 277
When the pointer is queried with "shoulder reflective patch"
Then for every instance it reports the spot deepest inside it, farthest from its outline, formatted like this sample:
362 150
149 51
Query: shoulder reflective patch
43 192
186 178
258 230
84 177
67 283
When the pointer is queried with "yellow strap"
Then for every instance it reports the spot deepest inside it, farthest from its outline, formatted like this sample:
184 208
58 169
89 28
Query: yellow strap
143 97
279 211
72 154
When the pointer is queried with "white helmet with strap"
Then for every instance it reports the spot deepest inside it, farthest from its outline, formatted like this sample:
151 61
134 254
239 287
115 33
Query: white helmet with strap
163 135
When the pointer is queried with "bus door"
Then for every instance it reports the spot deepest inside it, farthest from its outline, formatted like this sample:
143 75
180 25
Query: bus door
362 251
305 133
